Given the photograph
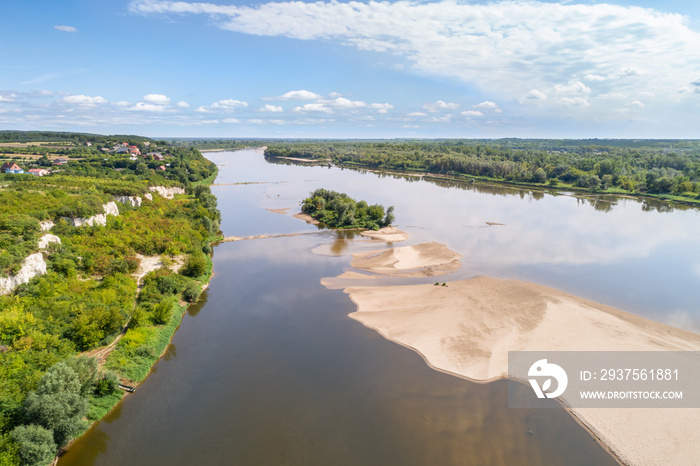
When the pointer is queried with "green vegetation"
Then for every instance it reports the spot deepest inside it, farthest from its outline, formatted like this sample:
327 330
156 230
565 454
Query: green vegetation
338 210
88 295
668 169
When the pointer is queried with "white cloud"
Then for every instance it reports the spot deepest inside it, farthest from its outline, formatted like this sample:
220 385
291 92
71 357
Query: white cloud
627 71
622 49
574 101
417 114
595 77
572 87
183 104
222 106
271 108
439 105
156 99
381 108
66 28
84 100
296 95
638 103
314 107
122 103
231 120
486 105
256 121
275 122
149 107
342 102
8 97
472 113
535 95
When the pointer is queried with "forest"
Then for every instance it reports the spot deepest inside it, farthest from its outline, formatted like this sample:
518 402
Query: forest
338 210
661 168
50 387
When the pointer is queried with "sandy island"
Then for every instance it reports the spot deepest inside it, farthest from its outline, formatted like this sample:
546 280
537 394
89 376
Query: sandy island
389 234
467 328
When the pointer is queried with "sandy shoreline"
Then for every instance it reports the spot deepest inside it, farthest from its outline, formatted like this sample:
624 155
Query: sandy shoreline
467 328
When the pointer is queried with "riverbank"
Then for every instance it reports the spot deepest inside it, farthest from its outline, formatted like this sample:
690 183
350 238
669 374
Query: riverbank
467 327
558 188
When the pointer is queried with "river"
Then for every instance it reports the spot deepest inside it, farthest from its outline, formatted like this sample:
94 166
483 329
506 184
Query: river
268 369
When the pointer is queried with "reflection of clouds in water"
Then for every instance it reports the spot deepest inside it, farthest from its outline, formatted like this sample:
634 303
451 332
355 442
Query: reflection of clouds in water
554 230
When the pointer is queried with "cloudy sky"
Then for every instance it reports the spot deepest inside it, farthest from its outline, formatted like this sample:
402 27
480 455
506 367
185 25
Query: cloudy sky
622 69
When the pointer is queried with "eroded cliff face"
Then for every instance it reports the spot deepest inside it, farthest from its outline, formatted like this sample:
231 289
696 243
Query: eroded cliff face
47 239
133 201
32 266
35 265
100 219
167 193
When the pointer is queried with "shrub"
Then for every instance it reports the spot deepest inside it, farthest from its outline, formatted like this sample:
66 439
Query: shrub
195 266
107 383
191 292
163 312
36 445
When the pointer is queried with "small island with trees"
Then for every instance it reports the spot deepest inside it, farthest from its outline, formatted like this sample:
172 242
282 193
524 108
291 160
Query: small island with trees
338 210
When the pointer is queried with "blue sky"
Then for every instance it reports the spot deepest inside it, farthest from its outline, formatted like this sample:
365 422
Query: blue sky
624 69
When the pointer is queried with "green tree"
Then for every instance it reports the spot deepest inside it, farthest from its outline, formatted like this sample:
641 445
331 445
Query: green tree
36 445
540 176
195 266
57 404
163 312
86 369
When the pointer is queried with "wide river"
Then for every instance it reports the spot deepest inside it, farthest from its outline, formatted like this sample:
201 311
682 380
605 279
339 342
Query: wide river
267 368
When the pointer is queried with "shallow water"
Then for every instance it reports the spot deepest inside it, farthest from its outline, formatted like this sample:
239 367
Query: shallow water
268 368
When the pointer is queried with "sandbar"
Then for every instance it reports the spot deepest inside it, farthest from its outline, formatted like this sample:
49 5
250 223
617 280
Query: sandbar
389 234
306 217
467 328
420 260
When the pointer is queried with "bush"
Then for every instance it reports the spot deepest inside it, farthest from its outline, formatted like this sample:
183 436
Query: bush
86 369
107 384
195 266
191 292
163 312
36 445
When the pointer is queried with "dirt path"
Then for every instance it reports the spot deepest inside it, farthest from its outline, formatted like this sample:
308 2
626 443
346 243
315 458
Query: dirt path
146 264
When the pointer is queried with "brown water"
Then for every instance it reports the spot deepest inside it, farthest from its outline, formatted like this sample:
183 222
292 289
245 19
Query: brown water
268 369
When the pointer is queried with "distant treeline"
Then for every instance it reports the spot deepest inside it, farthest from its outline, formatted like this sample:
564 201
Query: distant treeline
66 138
646 167
209 144
338 210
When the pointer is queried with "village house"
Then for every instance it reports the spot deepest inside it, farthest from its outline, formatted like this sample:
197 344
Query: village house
155 155
11 167
60 161
133 150
162 168
38 171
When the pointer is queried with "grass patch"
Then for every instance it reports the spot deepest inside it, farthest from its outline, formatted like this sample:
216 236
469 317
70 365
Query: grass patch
142 347
101 405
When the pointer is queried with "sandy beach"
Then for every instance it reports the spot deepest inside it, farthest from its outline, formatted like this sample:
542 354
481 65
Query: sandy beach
467 328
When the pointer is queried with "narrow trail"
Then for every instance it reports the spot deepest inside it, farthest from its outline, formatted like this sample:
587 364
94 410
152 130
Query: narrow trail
147 264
